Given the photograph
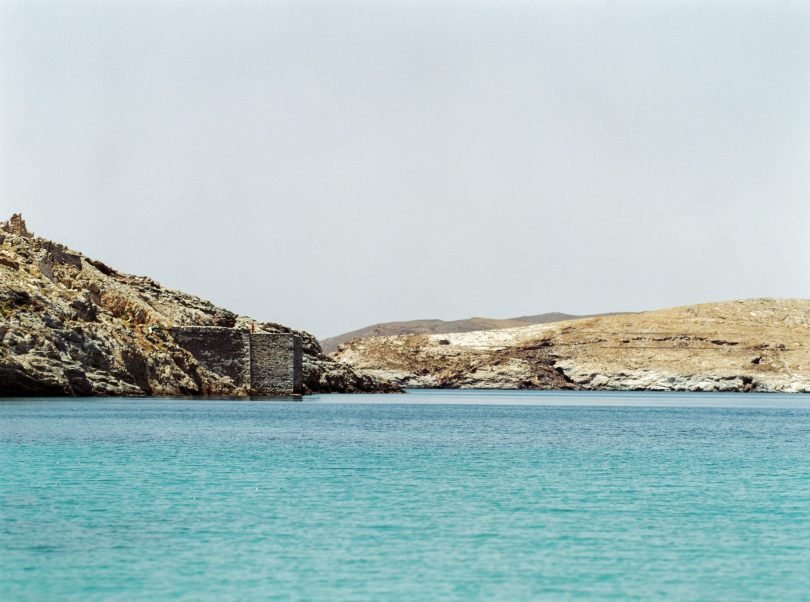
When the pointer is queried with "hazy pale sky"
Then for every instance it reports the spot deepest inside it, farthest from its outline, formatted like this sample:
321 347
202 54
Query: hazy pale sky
328 165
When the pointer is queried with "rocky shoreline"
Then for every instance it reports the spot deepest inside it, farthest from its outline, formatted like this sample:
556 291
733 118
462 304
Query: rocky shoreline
71 325
752 345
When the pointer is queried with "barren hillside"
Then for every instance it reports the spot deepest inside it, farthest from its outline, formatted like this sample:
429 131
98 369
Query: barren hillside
442 326
757 344
70 325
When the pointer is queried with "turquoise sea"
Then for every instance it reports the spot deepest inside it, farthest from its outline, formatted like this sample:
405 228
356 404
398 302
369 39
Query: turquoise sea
432 495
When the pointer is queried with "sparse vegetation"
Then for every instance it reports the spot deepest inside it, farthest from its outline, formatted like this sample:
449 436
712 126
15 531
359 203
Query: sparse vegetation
760 344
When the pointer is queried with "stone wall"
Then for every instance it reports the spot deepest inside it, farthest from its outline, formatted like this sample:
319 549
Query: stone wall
275 362
264 363
225 351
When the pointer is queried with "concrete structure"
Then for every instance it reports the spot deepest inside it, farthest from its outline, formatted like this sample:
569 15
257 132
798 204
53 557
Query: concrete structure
264 363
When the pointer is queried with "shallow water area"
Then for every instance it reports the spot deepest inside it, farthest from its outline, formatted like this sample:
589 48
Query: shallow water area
431 495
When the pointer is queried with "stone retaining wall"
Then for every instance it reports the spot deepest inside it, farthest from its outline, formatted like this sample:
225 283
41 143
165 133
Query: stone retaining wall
264 363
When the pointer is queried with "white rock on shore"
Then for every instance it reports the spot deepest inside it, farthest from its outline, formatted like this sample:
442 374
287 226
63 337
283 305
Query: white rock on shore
752 345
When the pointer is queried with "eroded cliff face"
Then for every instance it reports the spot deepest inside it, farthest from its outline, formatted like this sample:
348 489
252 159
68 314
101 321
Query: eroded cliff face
70 325
753 345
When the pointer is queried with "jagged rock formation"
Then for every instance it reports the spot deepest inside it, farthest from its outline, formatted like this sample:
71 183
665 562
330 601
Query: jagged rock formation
70 325
758 344
384 329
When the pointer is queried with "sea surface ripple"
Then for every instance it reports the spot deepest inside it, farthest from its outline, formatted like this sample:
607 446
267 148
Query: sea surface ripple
433 495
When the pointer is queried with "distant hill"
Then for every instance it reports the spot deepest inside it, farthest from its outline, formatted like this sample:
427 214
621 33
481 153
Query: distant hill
384 329
750 345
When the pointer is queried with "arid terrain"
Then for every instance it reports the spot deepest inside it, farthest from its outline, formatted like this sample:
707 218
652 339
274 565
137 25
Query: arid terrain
70 325
384 329
751 345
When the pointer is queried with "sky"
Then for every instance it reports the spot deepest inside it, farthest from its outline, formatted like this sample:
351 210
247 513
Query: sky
329 165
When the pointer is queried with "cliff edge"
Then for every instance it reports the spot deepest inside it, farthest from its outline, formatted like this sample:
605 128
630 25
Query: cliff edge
70 325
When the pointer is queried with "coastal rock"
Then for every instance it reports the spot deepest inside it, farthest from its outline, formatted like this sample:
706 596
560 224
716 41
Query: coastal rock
752 345
70 325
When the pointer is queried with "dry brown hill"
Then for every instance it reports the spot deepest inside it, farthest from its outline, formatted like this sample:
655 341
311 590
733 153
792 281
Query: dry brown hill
758 344
384 329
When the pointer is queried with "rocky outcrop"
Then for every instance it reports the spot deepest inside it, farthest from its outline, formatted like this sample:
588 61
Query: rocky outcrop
70 325
753 345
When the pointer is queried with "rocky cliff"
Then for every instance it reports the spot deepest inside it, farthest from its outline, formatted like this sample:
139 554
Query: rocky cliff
758 344
70 325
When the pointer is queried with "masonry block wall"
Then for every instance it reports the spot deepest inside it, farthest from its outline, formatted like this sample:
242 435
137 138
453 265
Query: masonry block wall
273 365
265 363
225 351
